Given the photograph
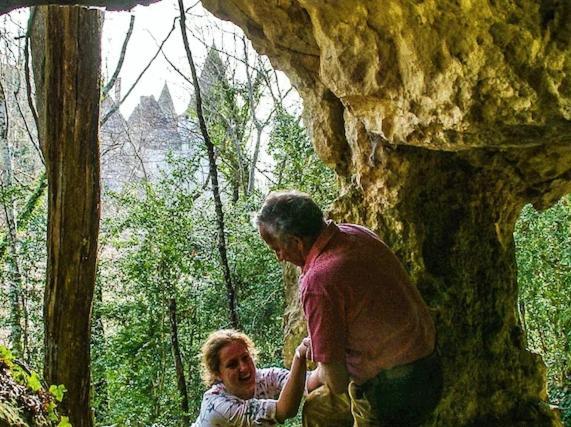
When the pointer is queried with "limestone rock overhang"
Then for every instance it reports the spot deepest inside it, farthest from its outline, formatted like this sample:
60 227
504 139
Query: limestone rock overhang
458 76
467 76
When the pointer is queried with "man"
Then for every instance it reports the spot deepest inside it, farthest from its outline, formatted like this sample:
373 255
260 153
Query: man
371 333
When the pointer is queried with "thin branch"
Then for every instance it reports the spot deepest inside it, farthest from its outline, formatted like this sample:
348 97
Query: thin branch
180 73
27 75
29 132
118 104
230 289
111 82
138 155
4 119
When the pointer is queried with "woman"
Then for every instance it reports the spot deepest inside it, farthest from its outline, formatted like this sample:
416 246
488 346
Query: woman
240 394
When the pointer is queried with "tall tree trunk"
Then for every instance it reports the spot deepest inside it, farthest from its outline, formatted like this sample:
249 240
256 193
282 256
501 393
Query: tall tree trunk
230 289
66 49
179 367
157 385
9 206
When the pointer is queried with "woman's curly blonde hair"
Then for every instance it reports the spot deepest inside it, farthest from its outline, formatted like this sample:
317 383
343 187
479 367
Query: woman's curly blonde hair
210 357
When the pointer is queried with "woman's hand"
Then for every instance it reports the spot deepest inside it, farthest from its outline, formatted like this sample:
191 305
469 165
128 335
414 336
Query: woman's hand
303 350
290 397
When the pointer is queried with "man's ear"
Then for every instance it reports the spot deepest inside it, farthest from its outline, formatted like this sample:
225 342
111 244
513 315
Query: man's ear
302 245
299 243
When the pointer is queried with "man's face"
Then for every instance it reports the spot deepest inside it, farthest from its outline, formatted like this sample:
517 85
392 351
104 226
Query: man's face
237 370
289 249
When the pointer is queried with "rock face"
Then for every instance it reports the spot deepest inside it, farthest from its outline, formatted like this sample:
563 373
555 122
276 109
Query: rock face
443 119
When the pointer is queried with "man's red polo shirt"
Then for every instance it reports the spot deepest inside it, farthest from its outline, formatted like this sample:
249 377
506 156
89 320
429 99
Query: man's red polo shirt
360 306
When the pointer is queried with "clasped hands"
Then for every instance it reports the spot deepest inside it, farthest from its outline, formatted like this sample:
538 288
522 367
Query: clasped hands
303 350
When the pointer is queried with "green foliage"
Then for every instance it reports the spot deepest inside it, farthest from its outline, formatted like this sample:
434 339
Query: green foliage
152 257
297 165
23 396
6 356
544 275
34 382
21 375
58 391
64 422
160 243
31 259
258 279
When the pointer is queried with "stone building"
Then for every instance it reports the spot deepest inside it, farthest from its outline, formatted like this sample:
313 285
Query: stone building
137 147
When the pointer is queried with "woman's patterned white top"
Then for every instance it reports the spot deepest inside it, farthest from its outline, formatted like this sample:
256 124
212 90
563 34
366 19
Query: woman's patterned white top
221 409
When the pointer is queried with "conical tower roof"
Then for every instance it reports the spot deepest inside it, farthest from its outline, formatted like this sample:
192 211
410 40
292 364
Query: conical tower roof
213 73
165 102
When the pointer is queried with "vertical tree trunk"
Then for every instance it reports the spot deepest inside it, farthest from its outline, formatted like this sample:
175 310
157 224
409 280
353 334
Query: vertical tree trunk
252 175
14 277
67 90
230 288
179 367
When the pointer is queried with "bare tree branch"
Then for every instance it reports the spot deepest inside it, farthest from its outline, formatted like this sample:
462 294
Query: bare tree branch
111 82
28 80
29 131
174 67
230 289
118 104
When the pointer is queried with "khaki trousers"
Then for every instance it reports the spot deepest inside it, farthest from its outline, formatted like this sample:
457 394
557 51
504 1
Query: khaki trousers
405 395
325 409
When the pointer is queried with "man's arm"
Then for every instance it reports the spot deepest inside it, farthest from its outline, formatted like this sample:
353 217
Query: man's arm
334 375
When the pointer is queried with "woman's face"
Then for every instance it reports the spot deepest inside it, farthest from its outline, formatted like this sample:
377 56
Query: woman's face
237 370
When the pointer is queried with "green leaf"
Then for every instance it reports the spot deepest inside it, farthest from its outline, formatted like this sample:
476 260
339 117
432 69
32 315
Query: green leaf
52 416
34 382
64 422
58 391
6 354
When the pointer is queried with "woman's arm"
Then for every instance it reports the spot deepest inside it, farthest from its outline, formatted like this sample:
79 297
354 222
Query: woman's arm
290 396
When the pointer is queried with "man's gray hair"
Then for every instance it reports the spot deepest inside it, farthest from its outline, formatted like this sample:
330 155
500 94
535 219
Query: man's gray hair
290 212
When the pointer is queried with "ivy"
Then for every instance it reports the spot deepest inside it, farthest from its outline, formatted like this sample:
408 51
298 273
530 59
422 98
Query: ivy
23 397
